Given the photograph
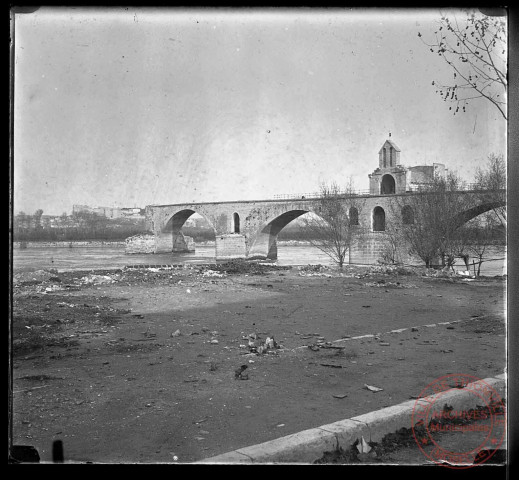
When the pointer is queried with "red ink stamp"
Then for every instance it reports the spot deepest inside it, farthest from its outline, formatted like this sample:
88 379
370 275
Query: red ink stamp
454 436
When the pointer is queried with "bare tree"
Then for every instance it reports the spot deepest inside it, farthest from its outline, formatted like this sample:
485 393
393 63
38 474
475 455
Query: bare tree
491 184
483 236
37 218
22 225
427 221
333 228
475 49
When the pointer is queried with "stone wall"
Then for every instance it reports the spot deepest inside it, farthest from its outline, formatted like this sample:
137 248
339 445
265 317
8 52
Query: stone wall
142 243
230 246
369 249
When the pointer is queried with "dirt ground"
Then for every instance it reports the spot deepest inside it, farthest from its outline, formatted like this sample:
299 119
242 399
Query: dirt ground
139 365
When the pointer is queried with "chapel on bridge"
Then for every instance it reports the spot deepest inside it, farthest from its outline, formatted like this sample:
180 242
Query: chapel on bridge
391 177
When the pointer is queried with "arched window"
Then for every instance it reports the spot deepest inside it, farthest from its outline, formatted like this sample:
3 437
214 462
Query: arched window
236 221
379 219
387 186
354 216
407 215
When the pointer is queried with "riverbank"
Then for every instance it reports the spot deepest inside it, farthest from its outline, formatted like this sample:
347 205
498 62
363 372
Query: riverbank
138 365
71 244
100 243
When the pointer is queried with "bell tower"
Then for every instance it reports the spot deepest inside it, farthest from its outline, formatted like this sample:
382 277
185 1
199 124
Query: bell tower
390 176
389 154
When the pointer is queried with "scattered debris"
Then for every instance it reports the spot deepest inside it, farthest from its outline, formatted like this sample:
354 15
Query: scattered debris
372 388
188 380
97 279
363 446
384 344
383 283
333 365
176 333
239 375
314 271
340 395
212 273
258 347
197 422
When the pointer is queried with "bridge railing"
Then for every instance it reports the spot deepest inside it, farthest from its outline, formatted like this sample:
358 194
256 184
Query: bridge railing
410 189
299 196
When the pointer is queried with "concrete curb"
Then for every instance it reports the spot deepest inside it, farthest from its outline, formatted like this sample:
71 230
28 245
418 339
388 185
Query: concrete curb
310 445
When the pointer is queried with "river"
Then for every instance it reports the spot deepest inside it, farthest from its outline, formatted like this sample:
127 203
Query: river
112 256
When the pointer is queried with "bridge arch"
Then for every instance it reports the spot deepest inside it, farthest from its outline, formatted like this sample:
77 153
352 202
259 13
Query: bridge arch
171 237
264 244
387 185
473 212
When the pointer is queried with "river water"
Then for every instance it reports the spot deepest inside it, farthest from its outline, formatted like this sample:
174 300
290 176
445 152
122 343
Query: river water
113 256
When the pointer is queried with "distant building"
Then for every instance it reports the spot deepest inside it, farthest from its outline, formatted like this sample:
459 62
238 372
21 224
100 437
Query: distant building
111 212
392 177
51 221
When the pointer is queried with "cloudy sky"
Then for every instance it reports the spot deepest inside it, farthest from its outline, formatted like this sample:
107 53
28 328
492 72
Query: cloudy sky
131 107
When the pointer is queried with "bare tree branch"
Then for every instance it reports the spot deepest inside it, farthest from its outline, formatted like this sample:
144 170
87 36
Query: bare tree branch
333 228
475 50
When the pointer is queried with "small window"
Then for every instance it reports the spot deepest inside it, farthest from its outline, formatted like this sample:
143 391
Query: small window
354 216
407 215
379 219
236 219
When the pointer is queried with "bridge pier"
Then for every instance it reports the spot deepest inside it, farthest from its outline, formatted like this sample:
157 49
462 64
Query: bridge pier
265 247
368 249
167 242
230 246
183 243
163 242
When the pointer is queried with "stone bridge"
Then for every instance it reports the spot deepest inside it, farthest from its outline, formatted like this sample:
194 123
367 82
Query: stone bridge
249 229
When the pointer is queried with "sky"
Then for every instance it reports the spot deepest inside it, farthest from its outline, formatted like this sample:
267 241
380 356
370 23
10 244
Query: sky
130 107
